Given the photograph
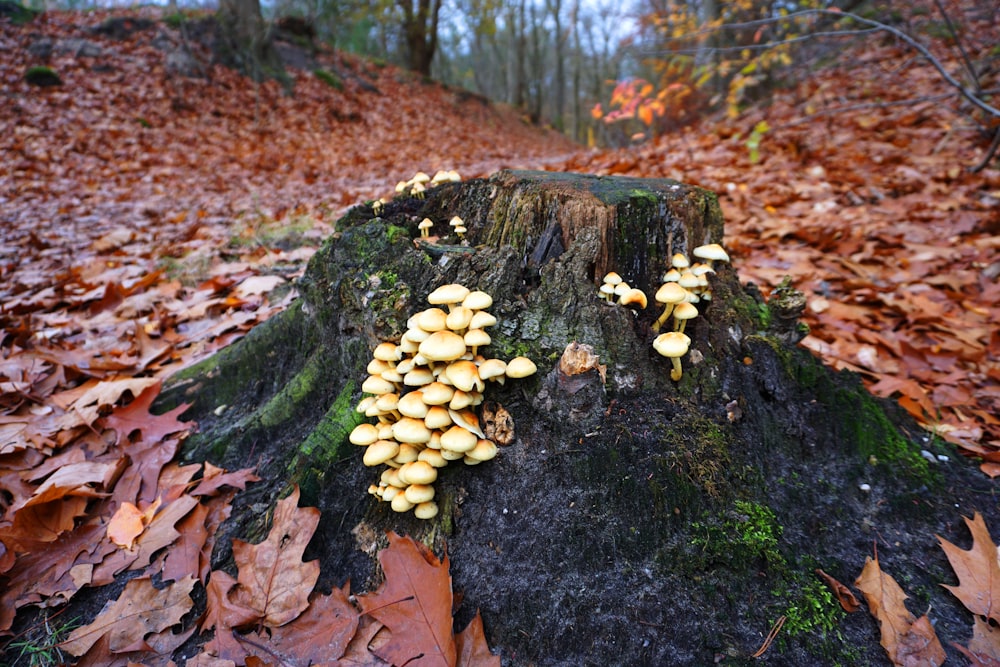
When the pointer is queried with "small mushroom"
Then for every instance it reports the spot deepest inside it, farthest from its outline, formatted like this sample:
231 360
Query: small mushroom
669 295
682 313
426 510
425 227
712 252
520 367
633 297
673 345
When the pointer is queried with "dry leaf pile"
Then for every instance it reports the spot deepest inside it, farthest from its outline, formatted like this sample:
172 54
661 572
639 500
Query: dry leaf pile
873 213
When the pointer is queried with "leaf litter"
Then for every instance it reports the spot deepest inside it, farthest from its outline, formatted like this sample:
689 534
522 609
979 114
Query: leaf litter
157 266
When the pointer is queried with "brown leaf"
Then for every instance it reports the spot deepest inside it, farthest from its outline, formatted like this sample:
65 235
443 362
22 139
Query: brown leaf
984 647
977 569
414 603
842 592
141 609
473 651
136 417
126 524
908 641
319 635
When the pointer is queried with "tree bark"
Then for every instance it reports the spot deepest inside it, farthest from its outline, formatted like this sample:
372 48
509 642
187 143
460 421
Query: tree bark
632 520
420 26
245 41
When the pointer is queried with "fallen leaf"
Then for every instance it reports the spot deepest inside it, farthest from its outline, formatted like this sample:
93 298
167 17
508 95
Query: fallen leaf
415 604
977 569
126 524
140 610
843 593
909 641
471 646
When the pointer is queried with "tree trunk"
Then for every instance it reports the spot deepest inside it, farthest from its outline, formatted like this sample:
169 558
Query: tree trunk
632 519
420 26
245 42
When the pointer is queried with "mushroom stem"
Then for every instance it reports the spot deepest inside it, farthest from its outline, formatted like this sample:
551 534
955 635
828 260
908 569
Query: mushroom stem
675 372
679 325
663 318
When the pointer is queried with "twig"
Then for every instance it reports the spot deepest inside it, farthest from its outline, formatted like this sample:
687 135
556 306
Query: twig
990 152
961 49
770 637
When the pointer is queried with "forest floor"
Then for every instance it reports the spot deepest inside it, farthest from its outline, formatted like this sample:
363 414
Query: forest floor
153 209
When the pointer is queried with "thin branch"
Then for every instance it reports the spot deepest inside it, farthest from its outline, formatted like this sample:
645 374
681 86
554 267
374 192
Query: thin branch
764 45
961 49
914 43
989 153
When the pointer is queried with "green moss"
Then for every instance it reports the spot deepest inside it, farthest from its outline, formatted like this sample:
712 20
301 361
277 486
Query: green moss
808 607
875 438
395 234
748 534
323 445
329 78
40 75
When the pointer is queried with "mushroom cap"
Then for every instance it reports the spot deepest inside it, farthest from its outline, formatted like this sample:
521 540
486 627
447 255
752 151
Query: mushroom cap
612 278
412 405
400 504
460 229
671 276
437 417
379 452
437 393
633 297
407 454
387 352
418 377
492 368
433 457
377 367
477 300
679 261
462 399
607 289
463 374
456 221
670 293
688 280
411 430
426 223
458 319
476 338
431 320
468 420
365 403
483 451
685 311
672 344
364 434
700 269
376 385
458 440
426 510
420 177
622 288
452 293
387 402
711 251
520 367
481 320
418 472
419 493
442 346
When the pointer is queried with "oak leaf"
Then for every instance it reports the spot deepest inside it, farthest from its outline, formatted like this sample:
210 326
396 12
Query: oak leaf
136 417
415 604
909 641
473 651
984 647
977 569
140 610
127 523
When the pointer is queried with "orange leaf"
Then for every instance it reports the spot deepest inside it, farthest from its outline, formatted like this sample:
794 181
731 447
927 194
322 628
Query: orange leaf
984 647
843 593
140 609
907 640
126 525
414 602
977 569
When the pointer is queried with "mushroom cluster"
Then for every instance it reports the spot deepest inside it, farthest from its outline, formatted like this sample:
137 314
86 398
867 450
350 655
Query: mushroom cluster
417 186
614 287
424 392
684 285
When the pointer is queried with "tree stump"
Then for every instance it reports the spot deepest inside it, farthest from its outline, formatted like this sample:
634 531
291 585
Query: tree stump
633 520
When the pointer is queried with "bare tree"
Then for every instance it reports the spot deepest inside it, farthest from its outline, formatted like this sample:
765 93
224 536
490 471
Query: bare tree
246 40
420 32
